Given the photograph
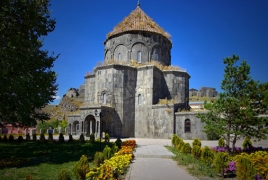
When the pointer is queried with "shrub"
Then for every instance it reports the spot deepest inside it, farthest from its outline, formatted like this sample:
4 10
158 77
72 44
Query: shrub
118 142
174 138
114 149
20 139
207 155
247 143
28 177
81 168
221 142
107 137
82 138
180 145
70 138
178 140
260 163
92 138
244 167
42 137
61 138
197 151
5 138
196 142
186 148
98 158
50 136
64 175
11 138
28 138
34 137
107 152
221 162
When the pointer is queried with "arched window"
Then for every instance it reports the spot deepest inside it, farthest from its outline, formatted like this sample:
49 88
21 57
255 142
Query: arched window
139 99
119 57
104 98
187 126
139 56
156 57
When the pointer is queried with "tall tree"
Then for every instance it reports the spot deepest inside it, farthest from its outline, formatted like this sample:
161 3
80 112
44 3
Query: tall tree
236 112
26 79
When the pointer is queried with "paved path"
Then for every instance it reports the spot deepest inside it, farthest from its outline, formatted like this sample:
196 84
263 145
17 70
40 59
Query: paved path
153 162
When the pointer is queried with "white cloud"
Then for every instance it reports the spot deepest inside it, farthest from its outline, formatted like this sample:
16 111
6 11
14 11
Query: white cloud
56 97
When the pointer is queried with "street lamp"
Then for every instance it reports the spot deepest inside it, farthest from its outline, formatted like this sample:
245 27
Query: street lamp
100 131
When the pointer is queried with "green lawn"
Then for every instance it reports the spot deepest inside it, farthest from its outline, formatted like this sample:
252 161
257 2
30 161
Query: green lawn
41 160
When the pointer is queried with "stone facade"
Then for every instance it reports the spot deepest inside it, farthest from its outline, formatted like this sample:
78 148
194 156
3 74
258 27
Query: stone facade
121 99
204 91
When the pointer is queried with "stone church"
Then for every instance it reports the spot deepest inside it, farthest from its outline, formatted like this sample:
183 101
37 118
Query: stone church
122 99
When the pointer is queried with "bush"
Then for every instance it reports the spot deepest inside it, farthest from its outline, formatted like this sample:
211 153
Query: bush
118 142
197 151
20 139
34 137
244 167
107 152
11 138
28 138
107 137
186 148
174 138
180 145
29 177
42 137
207 155
98 158
92 138
70 138
221 162
221 142
247 143
82 138
196 142
61 138
81 168
50 136
64 175
5 138
115 149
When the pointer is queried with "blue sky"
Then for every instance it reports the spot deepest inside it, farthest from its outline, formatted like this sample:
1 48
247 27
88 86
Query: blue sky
203 33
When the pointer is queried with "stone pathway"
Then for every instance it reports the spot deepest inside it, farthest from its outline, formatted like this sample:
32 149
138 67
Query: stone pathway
153 162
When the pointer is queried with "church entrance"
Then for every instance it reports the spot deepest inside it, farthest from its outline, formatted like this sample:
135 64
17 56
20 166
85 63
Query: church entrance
90 125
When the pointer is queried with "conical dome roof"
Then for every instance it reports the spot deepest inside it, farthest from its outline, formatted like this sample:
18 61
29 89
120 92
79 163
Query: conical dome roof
138 21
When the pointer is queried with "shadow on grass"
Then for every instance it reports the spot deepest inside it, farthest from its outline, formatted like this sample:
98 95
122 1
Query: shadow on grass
47 152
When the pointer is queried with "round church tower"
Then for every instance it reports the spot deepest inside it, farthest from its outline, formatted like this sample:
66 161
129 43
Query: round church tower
138 38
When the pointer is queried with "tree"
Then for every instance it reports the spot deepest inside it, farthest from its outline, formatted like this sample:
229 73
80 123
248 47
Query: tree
235 112
26 79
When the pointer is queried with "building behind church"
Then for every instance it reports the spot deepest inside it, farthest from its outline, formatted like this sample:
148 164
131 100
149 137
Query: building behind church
121 96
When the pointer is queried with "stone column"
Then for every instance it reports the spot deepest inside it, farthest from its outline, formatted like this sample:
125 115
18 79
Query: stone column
90 126
71 129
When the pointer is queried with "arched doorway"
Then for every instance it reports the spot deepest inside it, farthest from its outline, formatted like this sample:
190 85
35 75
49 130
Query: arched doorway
75 128
90 125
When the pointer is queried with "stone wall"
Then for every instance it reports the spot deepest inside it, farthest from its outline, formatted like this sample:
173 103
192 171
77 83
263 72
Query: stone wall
128 45
196 126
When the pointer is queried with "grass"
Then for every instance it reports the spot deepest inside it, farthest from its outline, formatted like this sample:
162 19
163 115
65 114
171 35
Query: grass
42 160
194 166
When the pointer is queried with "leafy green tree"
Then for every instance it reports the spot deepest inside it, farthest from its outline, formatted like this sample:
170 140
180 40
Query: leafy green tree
26 79
235 113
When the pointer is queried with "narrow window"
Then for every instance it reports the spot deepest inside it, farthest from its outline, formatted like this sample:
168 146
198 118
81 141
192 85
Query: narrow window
119 57
104 98
156 57
139 56
187 125
139 99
